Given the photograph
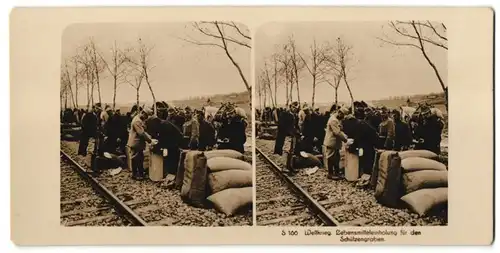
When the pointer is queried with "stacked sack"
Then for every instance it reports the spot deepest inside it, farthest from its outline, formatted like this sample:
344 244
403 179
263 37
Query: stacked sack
386 178
416 177
425 181
220 177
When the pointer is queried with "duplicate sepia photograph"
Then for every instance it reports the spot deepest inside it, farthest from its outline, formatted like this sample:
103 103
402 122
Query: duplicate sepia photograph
156 125
352 123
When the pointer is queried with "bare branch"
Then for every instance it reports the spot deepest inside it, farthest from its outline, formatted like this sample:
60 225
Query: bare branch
397 43
226 38
435 31
201 43
239 31
305 63
399 31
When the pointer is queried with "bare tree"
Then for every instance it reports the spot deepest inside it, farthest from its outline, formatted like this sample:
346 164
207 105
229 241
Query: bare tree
419 35
296 63
144 66
217 32
63 93
97 65
344 57
315 66
265 85
118 69
136 84
336 74
275 77
259 91
286 70
76 78
66 81
86 73
267 82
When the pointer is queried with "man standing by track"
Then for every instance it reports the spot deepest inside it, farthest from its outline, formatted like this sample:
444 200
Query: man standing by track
137 144
333 142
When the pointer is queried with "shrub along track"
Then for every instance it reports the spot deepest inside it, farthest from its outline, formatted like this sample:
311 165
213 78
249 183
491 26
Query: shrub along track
344 202
156 205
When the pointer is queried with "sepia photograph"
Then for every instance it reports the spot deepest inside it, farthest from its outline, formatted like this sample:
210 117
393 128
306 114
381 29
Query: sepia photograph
226 125
352 123
156 124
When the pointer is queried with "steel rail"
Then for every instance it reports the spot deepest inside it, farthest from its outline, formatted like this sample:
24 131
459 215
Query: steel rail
117 204
311 203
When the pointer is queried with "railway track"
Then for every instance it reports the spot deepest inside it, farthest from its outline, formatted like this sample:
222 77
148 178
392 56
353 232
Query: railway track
314 200
281 202
86 202
151 201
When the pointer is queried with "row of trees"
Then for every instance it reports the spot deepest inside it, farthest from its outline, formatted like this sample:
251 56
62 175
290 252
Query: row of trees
330 63
325 62
88 67
132 65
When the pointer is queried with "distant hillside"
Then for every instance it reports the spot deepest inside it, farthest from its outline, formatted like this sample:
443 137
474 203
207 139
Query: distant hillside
436 99
241 99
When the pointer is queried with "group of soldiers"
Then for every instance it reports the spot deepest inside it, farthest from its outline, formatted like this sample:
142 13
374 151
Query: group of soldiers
363 128
167 131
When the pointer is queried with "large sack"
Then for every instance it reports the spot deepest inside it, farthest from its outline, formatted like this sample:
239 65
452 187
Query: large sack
424 200
310 161
221 180
351 166
374 176
179 177
227 163
442 159
389 187
115 161
229 201
73 131
272 130
224 153
240 112
423 179
418 163
418 153
437 112
69 137
194 186
155 167
266 136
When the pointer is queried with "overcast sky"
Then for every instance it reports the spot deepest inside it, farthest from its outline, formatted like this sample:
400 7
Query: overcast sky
381 70
182 69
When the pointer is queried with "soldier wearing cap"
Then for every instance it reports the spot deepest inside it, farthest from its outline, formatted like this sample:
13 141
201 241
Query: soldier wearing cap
191 129
387 130
428 131
89 130
293 134
105 115
306 129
